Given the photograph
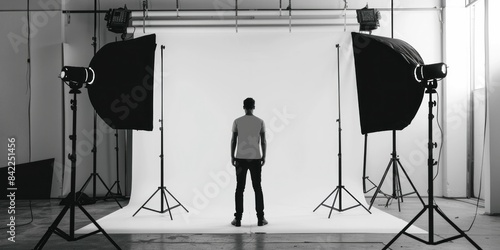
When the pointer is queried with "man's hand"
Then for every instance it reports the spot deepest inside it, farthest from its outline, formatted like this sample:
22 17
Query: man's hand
263 144
234 139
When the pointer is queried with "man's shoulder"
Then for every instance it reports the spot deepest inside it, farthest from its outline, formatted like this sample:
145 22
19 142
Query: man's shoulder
248 117
258 119
239 118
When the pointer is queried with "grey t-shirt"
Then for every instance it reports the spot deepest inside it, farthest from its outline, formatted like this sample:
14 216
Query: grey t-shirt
249 128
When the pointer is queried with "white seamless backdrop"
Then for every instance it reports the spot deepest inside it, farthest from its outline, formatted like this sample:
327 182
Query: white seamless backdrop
293 78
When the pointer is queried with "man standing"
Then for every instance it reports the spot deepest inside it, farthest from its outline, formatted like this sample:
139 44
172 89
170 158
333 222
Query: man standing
248 131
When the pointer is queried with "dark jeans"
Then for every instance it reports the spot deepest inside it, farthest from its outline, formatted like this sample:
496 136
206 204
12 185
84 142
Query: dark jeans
255 168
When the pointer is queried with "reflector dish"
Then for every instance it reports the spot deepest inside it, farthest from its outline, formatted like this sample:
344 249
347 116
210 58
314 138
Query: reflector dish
122 93
389 96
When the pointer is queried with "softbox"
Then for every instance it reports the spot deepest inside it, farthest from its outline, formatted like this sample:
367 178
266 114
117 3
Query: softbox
122 92
389 96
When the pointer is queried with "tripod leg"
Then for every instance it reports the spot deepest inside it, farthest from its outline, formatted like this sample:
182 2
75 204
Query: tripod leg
357 200
375 185
325 199
397 184
166 201
118 189
462 233
109 191
400 189
333 203
176 199
52 228
379 185
98 226
146 202
405 228
396 193
371 182
411 183
86 184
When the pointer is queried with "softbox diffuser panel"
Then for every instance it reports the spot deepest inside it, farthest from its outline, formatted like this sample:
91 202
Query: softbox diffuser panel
122 93
388 94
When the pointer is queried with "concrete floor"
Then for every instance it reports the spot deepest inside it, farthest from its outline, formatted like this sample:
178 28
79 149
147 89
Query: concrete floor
486 231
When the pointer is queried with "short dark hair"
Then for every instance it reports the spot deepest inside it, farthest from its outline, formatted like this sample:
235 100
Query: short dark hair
249 103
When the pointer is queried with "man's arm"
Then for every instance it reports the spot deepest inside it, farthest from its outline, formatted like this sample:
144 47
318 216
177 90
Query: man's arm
233 147
263 145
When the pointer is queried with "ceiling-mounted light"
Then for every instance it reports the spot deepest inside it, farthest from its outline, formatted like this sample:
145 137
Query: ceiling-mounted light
117 20
368 19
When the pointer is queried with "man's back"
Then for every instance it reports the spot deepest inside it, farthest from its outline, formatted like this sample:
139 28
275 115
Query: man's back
249 129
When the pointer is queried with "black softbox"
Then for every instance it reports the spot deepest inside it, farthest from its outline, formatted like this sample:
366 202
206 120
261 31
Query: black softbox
122 92
389 96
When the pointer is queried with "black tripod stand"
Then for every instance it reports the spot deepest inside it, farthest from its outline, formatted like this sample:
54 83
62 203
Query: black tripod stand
397 192
338 190
162 189
118 193
94 175
365 177
75 89
430 89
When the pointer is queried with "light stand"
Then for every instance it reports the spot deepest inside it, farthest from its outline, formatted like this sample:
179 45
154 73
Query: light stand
72 196
162 189
340 187
93 176
365 177
397 192
118 193
117 182
431 207
94 173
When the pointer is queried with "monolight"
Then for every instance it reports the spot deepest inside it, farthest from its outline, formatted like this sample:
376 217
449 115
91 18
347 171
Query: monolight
430 72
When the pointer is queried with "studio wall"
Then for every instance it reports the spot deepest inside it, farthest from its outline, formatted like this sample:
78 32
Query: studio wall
492 171
14 83
31 101
206 78
292 77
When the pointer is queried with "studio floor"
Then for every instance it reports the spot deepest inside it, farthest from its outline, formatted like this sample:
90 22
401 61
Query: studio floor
486 231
